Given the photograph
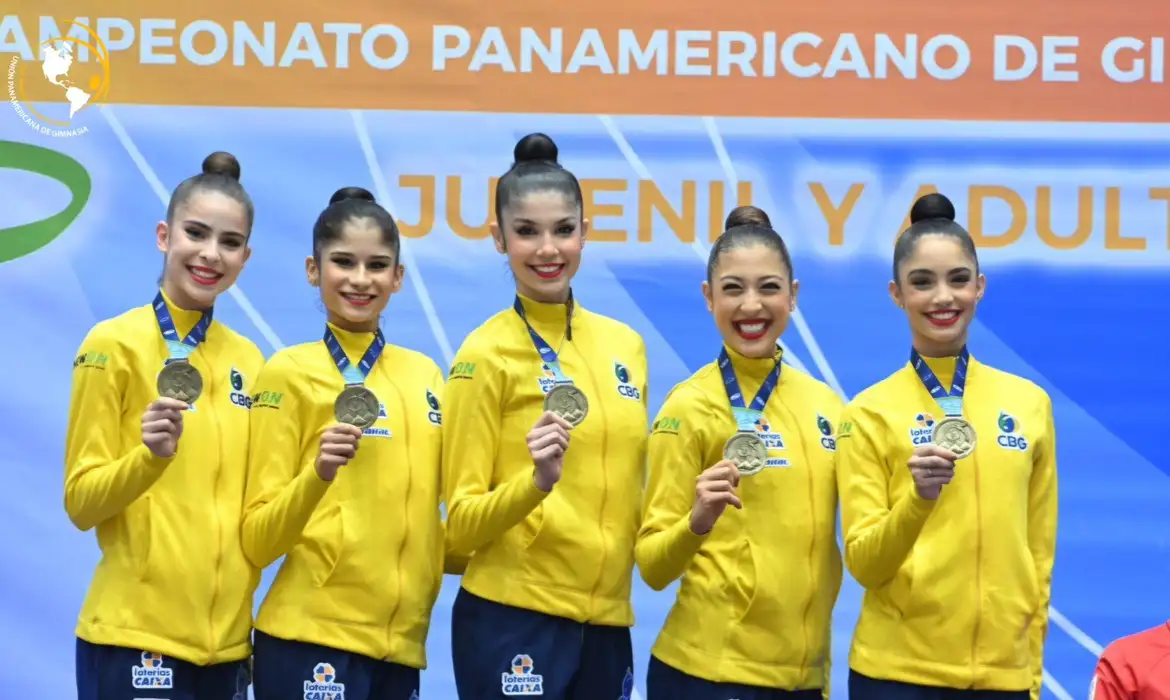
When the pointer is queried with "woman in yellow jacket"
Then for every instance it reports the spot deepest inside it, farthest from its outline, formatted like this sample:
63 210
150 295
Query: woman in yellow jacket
544 463
947 473
343 482
759 579
169 611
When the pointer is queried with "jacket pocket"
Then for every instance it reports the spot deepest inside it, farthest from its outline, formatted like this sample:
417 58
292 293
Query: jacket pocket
326 540
141 527
900 590
531 527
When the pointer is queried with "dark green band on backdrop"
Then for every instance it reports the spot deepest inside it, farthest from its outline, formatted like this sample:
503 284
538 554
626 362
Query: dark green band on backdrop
27 238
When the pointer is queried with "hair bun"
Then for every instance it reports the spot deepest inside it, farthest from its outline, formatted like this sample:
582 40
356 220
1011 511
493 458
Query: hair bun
747 215
932 206
222 163
535 148
351 193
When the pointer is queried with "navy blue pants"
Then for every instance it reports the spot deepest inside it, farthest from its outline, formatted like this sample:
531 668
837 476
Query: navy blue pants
866 688
284 669
500 651
118 673
664 682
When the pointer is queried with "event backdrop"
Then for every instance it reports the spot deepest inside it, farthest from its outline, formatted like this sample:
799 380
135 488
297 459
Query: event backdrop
1041 121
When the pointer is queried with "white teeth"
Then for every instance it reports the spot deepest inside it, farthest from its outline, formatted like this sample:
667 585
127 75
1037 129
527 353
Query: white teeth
547 268
944 314
752 328
358 297
204 275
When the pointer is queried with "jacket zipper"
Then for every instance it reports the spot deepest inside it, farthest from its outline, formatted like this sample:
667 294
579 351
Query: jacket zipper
211 647
604 493
812 546
978 571
405 525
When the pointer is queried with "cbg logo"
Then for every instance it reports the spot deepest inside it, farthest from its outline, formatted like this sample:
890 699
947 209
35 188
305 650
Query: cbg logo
238 397
624 387
826 430
1009 437
435 416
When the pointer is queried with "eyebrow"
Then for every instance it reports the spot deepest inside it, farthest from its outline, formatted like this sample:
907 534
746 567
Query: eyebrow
924 271
566 220
350 254
736 278
195 223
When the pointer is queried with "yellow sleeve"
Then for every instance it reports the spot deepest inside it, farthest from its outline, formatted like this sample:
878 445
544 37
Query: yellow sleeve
103 473
477 513
452 563
1042 538
666 543
280 494
878 535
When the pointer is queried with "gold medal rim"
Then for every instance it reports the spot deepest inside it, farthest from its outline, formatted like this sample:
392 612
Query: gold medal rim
361 391
970 429
756 439
575 391
183 368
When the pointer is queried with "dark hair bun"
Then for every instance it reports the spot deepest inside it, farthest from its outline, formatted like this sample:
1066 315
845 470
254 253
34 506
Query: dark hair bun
932 206
747 216
351 193
535 148
222 163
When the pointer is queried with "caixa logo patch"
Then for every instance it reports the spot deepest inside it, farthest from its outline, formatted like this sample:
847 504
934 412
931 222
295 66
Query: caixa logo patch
434 414
1009 436
624 387
238 396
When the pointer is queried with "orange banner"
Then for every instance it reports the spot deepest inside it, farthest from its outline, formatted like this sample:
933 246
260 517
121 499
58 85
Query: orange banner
1040 60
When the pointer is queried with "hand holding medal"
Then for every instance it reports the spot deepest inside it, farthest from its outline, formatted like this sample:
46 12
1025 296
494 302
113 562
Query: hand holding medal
547 442
932 467
714 491
339 444
162 426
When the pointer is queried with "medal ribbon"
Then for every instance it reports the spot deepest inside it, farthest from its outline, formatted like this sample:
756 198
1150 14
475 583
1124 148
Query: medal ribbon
547 354
952 401
351 373
746 416
179 350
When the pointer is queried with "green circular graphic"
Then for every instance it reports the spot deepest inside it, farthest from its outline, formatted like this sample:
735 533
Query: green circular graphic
21 240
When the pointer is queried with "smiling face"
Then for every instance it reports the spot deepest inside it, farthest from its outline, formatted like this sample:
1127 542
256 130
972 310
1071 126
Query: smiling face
939 287
205 248
751 297
543 235
357 273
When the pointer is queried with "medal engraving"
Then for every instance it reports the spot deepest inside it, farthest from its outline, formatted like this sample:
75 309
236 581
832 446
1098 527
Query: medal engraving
180 381
568 402
955 434
356 405
747 451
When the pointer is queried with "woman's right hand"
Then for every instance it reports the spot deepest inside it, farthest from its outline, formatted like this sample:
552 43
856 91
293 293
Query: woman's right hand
338 445
162 426
714 491
547 442
932 467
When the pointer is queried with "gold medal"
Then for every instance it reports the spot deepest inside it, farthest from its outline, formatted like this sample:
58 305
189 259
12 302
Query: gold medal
568 402
747 451
180 381
955 434
356 405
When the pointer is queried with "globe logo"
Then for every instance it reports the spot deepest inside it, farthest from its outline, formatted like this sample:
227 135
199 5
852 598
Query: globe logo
73 75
